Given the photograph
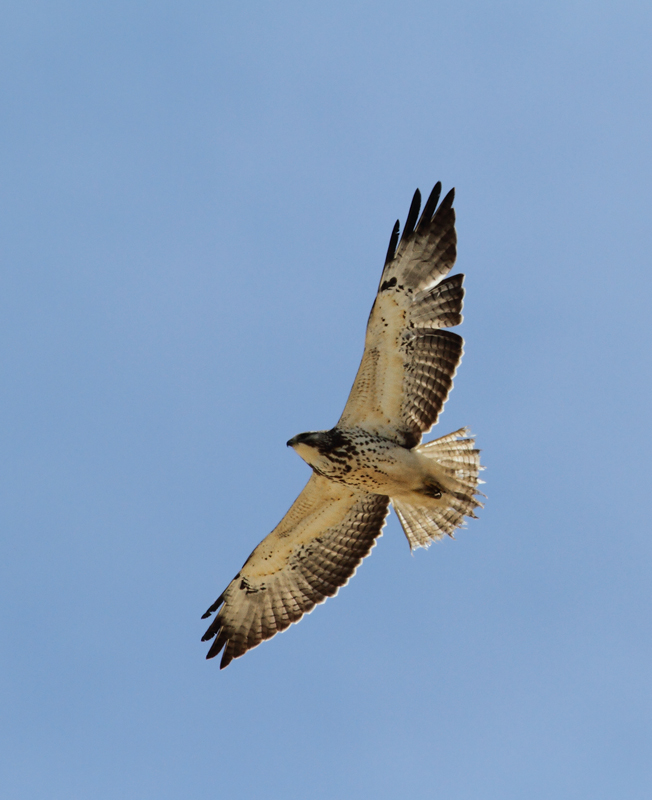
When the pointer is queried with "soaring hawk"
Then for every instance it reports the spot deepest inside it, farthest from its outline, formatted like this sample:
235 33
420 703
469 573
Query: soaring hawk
373 456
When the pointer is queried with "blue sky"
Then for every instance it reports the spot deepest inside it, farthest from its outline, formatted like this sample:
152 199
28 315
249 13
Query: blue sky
196 200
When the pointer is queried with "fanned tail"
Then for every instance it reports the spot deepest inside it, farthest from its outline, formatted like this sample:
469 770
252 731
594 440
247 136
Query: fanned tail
456 469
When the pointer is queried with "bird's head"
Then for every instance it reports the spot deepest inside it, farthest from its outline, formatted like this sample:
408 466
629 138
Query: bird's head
311 446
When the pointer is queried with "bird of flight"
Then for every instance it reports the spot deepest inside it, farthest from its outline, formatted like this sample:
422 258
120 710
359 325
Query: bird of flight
373 456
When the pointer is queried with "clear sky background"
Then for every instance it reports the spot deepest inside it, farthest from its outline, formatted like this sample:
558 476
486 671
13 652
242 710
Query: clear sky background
196 200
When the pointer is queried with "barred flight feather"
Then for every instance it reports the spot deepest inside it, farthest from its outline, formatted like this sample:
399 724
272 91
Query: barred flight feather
257 606
404 347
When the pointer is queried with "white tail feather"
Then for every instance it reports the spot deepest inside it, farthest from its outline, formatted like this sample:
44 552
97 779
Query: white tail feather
457 464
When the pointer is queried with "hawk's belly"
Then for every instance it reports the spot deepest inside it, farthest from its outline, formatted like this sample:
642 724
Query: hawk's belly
368 462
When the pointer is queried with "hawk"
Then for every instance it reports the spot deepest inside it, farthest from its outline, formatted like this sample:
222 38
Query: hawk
373 456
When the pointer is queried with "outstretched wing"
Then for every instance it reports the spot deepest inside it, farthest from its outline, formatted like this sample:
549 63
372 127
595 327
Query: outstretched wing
408 363
314 550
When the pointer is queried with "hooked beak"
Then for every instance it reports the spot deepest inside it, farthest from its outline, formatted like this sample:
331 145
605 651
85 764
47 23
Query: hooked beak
291 442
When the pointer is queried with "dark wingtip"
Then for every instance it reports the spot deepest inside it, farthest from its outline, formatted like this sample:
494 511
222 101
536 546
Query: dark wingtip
214 607
393 241
413 215
216 627
217 645
447 202
431 205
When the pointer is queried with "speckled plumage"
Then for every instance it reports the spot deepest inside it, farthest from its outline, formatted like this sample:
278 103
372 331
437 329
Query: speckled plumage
374 455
